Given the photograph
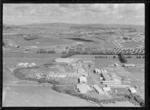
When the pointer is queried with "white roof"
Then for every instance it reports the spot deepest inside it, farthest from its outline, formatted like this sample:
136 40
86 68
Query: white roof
33 63
132 90
83 88
82 78
106 89
116 64
67 60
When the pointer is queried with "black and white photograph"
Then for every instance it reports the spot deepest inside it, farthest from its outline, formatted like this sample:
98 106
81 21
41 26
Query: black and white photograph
73 55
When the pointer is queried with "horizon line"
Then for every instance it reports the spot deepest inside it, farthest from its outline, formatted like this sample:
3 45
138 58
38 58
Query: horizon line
73 24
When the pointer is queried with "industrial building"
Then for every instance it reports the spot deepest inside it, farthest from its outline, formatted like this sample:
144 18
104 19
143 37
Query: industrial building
128 65
98 89
116 64
32 65
65 60
132 90
98 71
106 89
111 82
105 76
26 65
118 86
82 79
83 88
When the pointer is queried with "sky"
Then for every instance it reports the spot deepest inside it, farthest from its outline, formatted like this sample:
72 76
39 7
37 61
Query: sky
20 14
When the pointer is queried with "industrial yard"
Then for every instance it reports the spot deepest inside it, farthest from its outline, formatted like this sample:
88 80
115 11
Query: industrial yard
83 76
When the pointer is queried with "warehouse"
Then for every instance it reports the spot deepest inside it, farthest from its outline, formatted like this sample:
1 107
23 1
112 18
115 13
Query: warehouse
128 65
118 86
83 88
82 79
111 83
97 71
105 76
116 64
65 60
132 90
98 89
106 89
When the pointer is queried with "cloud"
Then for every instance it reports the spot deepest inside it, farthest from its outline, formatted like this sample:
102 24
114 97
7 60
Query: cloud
73 13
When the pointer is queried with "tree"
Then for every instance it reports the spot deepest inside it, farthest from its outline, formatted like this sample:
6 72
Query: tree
122 58
114 56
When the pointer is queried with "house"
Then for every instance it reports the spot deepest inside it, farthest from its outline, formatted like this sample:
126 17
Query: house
98 89
132 90
83 88
82 79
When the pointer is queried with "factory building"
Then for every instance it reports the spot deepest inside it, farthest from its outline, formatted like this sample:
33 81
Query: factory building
116 64
128 65
111 82
117 86
105 76
98 89
132 90
106 89
65 60
83 88
98 71
82 79
32 65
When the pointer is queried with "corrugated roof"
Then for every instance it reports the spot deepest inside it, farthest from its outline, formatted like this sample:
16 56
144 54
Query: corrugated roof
98 89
